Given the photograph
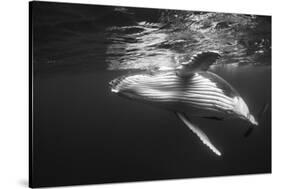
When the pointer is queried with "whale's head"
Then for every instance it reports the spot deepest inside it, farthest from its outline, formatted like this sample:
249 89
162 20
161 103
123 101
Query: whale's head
241 110
115 85
161 88
123 87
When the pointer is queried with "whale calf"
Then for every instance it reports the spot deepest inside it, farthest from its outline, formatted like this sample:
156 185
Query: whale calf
188 90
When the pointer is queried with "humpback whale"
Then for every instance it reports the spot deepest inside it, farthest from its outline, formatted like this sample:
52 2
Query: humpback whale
188 90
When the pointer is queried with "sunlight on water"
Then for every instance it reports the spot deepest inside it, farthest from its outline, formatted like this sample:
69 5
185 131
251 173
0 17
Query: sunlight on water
128 38
141 53
153 45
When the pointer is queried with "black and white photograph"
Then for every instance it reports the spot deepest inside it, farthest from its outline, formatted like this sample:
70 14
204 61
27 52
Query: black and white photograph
125 94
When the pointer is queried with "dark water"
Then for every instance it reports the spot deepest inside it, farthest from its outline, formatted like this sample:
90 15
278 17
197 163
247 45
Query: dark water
83 133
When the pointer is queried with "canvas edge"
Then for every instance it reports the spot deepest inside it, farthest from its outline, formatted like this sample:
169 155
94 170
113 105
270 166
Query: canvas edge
30 83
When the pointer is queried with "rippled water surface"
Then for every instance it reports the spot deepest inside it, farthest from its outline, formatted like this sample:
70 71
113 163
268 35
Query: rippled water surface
130 38
89 135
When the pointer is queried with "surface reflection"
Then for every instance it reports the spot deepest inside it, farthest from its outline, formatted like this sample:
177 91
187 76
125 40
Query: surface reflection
177 37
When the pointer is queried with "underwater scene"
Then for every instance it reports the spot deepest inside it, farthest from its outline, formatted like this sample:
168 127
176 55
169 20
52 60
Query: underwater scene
131 94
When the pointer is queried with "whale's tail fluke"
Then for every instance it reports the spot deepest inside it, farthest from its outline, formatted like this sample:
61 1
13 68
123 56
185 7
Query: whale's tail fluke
260 117
196 130
249 131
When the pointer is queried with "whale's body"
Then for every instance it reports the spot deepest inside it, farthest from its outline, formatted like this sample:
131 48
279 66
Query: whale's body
199 93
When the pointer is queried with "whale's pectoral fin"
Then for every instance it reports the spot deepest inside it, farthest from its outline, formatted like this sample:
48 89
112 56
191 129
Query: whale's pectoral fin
195 129
198 62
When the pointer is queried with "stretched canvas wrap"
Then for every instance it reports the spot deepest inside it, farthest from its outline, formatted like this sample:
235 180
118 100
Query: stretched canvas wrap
123 94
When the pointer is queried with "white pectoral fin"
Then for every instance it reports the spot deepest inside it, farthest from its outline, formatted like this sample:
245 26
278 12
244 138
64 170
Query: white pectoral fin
195 129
